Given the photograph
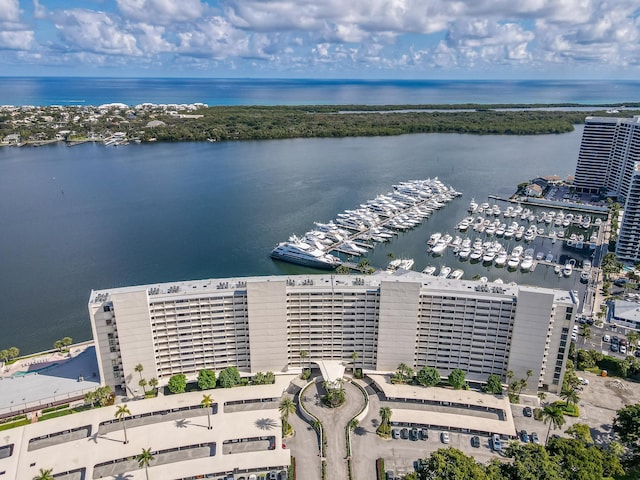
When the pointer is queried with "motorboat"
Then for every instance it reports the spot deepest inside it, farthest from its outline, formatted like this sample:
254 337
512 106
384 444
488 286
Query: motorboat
501 258
351 248
457 274
444 271
464 253
429 270
433 239
567 270
527 261
302 253
515 257
473 206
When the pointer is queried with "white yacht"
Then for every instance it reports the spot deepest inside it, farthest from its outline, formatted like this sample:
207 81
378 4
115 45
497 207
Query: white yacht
351 248
302 253
429 270
567 270
527 261
501 258
444 271
457 274
400 264
473 206
464 252
514 259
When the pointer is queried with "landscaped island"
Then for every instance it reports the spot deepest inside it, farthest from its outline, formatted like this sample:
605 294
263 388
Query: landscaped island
118 123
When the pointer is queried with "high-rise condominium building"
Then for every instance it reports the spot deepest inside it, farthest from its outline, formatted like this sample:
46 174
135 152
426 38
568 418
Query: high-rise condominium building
607 162
264 323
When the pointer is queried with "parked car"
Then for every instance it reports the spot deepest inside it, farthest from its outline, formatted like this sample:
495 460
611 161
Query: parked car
524 436
614 347
527 412
404 433
534 438
583 381
444 437
413 434
283 475
615 340
623 349
424 434
496 443
624 341
475 441
273 475
606 338
395 433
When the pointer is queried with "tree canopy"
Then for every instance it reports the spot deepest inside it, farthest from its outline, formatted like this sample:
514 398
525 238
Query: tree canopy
177 383
627 426
457 379
428 377
206 379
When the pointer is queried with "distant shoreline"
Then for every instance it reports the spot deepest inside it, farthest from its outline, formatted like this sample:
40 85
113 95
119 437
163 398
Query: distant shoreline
119 124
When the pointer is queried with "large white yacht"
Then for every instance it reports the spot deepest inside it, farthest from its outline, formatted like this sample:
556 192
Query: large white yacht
302 253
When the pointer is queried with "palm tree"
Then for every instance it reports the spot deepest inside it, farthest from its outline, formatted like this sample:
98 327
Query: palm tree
585 332
144 460
206 403
542 396
570 396
554 415
287 407
139 368
354 357
120 414
44 474
303 354
143 384
385 417
153 383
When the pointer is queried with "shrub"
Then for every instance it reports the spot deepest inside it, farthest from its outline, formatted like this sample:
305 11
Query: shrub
177 383
229 377
206 379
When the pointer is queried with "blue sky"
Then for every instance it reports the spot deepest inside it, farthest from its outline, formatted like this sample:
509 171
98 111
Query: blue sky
419 39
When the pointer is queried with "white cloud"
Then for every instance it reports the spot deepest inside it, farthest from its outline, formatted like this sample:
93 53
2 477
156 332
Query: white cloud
39 11
94 32
9 11
16 40
161 11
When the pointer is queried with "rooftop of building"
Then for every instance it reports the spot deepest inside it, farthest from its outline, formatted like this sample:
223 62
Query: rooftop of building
325 280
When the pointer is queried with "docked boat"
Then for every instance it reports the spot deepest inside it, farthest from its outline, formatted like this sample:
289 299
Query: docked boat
464 253
558 269
302 253
351 248
400 264
429 270
527 261
514 259
473 206
501 258
457 274
567 270
444 271
584 275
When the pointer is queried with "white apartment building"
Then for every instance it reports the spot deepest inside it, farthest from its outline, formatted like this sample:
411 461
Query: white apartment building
609 153
609 149
263 323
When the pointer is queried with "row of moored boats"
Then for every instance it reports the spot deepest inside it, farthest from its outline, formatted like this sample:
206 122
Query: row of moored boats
353 232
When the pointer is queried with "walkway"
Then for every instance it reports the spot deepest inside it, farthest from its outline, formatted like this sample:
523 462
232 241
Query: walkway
334 420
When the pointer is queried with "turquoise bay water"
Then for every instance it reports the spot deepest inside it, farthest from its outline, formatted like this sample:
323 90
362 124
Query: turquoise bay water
96 217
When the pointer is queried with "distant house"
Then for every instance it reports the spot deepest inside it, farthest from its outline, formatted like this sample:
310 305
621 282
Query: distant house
553 179
11 139
155 123
533 190
542 182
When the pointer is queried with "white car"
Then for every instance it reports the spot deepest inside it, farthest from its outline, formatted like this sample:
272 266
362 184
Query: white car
444 437
583 381
623 349
606 338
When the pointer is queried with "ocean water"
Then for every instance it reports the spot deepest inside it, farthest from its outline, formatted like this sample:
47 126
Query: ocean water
93 217
96 91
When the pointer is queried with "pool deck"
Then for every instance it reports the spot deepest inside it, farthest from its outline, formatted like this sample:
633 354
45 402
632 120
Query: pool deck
53 377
